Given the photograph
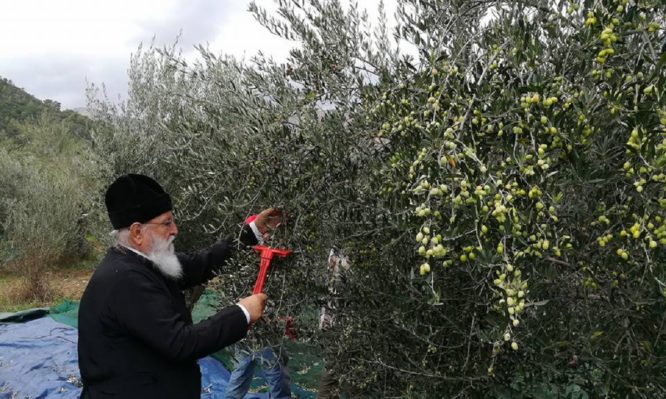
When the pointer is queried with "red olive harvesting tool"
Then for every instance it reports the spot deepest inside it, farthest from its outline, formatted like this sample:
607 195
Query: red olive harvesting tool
267 254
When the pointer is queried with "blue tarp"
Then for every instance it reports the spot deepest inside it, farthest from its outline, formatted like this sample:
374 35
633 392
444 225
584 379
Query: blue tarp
38 359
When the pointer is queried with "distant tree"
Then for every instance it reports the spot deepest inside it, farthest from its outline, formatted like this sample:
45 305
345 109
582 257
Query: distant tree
52 105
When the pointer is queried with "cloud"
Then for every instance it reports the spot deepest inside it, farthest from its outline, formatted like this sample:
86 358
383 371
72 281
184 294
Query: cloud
62 77
196 21
224 27
243 37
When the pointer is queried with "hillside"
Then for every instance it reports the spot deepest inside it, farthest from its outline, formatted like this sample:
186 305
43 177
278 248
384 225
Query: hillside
18 107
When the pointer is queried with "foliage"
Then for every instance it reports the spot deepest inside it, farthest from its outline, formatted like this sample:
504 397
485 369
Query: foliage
523 148
47 190
43 224
16 105
532 153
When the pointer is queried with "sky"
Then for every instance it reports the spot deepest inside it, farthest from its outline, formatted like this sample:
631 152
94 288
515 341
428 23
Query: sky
54 48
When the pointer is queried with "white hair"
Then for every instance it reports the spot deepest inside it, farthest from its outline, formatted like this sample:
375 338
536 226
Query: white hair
121 236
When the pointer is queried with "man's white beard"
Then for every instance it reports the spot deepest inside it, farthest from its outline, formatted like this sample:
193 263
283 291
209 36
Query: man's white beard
163 255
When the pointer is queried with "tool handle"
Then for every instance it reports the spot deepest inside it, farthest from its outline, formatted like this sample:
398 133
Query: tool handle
266 257
263 269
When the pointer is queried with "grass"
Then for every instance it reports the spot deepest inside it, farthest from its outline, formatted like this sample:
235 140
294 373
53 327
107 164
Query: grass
68 282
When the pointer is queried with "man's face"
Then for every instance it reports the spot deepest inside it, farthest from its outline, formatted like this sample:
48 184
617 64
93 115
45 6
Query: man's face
160 229
157 244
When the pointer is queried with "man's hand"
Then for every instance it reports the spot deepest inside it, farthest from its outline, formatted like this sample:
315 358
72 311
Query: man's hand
268 220
254 304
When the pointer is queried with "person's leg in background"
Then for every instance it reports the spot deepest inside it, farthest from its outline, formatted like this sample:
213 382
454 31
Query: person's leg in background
241 378
329 387
274 371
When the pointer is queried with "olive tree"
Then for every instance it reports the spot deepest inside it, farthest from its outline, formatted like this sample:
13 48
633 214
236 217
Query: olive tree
500 193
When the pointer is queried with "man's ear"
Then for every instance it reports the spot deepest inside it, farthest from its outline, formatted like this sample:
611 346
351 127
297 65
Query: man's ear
135 234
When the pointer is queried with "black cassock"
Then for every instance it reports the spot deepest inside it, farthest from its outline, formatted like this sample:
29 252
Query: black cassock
136 336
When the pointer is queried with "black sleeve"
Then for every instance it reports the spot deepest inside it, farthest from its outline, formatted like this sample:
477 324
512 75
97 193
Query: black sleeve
144 308
200 266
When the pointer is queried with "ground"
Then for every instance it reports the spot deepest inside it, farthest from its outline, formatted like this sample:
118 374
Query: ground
64 283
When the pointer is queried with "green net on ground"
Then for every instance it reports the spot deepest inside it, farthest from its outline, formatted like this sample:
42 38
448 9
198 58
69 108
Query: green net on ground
66 312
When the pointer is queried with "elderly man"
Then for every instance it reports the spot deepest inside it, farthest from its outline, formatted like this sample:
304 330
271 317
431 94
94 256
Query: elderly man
136 336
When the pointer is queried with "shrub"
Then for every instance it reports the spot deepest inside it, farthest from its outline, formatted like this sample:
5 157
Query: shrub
47 185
